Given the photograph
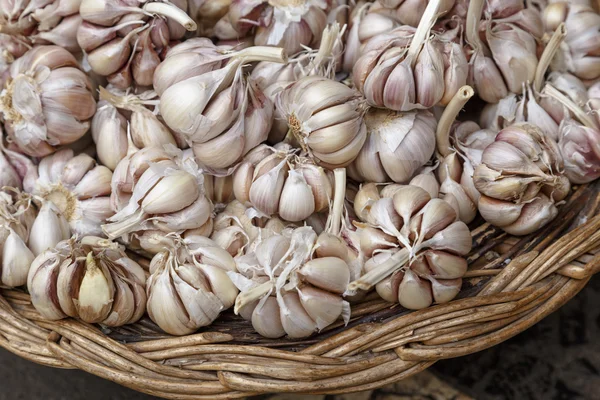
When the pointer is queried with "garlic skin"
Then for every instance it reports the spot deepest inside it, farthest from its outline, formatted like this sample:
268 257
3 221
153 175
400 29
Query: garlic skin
91 279
286 289
52 22
419 257
398 145
277 182
579 53
119 112
126 42
275 23
325 118
189 285
13 48
157 189
47 102
521 171
580 149
78 187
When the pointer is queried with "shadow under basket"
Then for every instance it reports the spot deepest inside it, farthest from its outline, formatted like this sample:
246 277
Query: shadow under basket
512 283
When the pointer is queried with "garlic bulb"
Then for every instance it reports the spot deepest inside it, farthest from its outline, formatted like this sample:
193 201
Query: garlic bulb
417 246
291 25
188 285
580 149
520 177
277 182
402 70
205 97
120 112
397 146
49 22
91 279
286 290
157 189
580 52
78 187
47 102
325 117
125 42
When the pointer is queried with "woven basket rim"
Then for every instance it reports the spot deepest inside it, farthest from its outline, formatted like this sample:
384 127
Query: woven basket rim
510 293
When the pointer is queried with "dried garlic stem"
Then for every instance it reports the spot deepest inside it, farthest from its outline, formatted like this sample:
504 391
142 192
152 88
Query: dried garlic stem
580 114
171 11
379 273
449 116
262 53
548 54
338 200
252 295
473 19
427 21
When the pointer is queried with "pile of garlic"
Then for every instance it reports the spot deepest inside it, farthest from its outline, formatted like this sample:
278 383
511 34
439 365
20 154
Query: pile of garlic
281 158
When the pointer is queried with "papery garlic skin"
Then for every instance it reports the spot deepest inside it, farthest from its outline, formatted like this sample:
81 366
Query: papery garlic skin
189 286
78 187
286 289
398 144
419 257
157 189
580 149
47 101
91 279
521 171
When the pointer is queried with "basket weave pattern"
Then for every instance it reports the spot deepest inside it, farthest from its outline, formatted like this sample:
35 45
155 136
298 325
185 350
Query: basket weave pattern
504 295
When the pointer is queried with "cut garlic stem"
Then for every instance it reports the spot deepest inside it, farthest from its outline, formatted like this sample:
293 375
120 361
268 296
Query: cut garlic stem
580 114
473 19
171 11
427 21
262 53
448 117
252 295
380 272
547 56
338 200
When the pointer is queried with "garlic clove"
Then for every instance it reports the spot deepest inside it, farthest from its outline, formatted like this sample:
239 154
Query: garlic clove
266 190
364 200
220 284
242 181
323 307
49 228
498 212
96 293
296 201
444 265
372 239
172 193
385 291
294 319
123 305
266 319
68 283
95 183
534 216
41 285
409 200
414 293
328 273
445 290
16 260
428 183
319 183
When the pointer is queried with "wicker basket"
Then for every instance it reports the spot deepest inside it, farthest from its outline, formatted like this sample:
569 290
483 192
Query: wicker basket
504 295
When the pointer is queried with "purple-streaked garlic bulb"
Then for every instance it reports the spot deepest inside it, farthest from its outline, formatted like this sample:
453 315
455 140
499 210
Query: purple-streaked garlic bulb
45 22
398 145
125 41
156 189
415 243
189 286
404 70
278 182
285 289
580 52
47 101
325 118
91 279
520 178
580 149
78 187
291 25
119 112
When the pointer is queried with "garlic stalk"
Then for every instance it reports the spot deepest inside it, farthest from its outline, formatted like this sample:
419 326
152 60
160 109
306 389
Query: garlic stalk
91 279
291 25
126 42
47 101
286 290
189 286
157 189
277 182
520 178
408 12
417 257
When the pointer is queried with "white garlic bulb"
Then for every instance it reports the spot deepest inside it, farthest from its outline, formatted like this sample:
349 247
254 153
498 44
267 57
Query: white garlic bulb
91 279
286 290
189 286
47 102
417 246
157 189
